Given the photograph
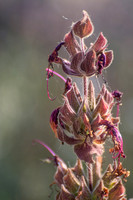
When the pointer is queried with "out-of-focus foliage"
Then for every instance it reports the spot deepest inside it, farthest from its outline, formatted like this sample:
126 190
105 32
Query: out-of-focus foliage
29 31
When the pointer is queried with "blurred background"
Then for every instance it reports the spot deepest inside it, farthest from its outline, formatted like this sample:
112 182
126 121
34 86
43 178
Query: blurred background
29 31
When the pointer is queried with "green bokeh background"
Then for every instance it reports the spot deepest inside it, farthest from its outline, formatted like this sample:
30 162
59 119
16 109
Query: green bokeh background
29 31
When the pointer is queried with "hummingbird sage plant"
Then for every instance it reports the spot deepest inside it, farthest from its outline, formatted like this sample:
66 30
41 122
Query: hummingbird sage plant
85 121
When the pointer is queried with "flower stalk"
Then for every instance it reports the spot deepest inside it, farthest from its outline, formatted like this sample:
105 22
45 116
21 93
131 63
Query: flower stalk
86 121
90 176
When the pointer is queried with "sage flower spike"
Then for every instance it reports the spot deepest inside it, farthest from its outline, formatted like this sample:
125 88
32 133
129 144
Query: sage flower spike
85 119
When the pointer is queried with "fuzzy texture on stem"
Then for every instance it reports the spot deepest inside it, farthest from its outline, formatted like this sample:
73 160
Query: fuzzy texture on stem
86 121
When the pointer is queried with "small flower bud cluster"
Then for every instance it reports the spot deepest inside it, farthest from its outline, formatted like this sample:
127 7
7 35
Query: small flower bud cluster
74 182
77 121
86 121
84 61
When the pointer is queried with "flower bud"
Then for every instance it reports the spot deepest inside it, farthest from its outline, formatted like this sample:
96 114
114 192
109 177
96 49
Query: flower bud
74 100
101 108
84 27
91 96
67 112
101 191
84 193
54 120
117 192
71 182
78 168
65 194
